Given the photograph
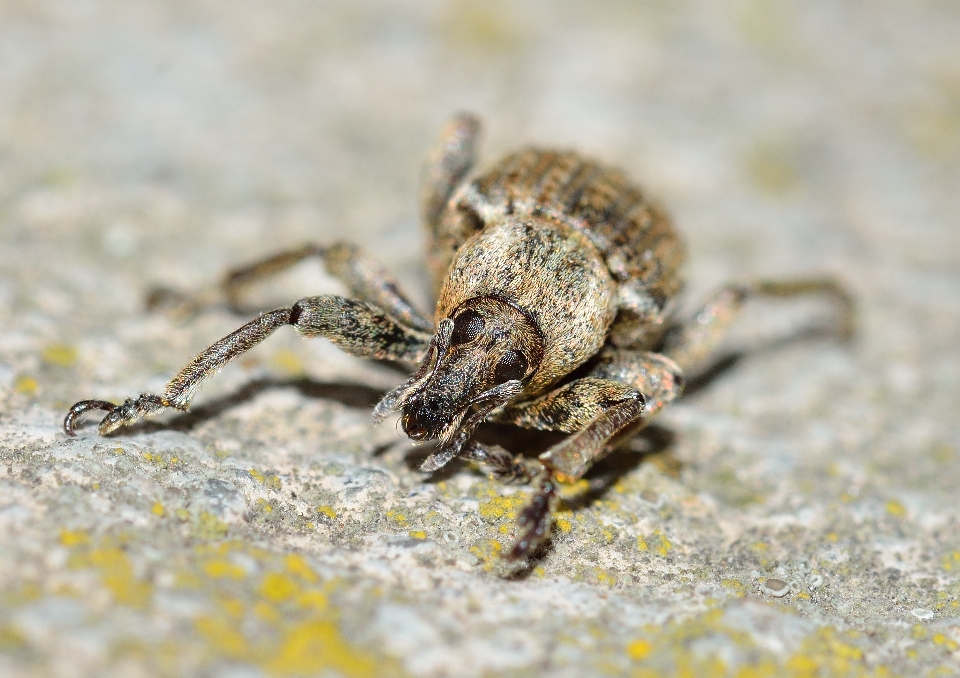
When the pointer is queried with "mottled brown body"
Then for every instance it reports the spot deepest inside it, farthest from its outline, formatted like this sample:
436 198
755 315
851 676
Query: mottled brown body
543 265
552 273
632 236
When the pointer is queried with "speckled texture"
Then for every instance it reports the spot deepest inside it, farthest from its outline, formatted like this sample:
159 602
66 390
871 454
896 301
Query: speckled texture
797 515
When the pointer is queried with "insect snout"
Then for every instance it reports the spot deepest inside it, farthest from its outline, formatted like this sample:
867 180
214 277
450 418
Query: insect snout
426 416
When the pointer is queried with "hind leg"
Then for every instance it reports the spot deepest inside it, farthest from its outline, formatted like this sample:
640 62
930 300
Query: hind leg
690 342
449 162
447 166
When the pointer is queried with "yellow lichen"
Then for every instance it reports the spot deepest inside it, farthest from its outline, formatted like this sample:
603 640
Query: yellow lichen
947 643
296 565
327 511
226 640
208 526
272 481
606 577
896 509
397 517
574 488
25 385
157 509
500 508
736 586
278 587
314 646
488 552
232 606
219 569
267 613
665 651
69 538
27 593
418 534
116 574
11 638
485 27
61 355
661 545
306 640
287 361
313 600
639 649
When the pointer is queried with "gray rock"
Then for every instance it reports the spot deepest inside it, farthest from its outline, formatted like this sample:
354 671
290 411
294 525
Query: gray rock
272 531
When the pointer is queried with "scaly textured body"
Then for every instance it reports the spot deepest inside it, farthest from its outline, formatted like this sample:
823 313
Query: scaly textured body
634 237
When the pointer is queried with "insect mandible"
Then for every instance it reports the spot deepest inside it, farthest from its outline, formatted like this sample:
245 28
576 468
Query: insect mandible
546 264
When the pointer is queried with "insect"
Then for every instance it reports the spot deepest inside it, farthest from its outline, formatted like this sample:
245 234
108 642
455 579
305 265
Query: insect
556 283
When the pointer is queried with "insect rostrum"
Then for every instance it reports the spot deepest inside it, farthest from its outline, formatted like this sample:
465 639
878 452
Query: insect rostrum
545 263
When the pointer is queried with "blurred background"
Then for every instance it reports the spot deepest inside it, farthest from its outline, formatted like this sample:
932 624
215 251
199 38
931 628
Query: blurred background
147 143
789 134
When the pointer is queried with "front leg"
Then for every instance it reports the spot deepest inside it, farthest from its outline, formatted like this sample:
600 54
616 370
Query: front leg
592 409
358 328
623 392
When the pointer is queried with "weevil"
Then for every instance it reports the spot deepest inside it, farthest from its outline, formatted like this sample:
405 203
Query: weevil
556 282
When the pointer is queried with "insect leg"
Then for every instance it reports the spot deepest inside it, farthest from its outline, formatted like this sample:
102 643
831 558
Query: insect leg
447 165
595 409
690 342
357 327
364 277
499 463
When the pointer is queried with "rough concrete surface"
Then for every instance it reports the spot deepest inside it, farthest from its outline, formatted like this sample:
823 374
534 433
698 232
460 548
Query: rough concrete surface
796 514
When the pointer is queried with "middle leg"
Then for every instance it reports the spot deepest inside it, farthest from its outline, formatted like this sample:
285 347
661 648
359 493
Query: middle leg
364 277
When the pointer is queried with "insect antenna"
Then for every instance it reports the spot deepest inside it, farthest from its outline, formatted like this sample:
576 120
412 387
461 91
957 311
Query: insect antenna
398 397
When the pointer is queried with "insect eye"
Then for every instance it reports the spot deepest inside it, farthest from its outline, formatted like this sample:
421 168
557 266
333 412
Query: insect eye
466 327
513 365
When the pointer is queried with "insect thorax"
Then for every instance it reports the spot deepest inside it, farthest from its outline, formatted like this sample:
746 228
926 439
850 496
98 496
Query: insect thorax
548 270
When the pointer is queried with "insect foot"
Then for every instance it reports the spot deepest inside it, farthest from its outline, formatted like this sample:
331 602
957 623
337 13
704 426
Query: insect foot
556 283
533 523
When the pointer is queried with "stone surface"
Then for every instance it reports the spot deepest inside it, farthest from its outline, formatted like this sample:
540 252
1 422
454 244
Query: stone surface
796 515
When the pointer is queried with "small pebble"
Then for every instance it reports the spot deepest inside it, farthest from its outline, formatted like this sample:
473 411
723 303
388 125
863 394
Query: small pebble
776 588
922 614
815 581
